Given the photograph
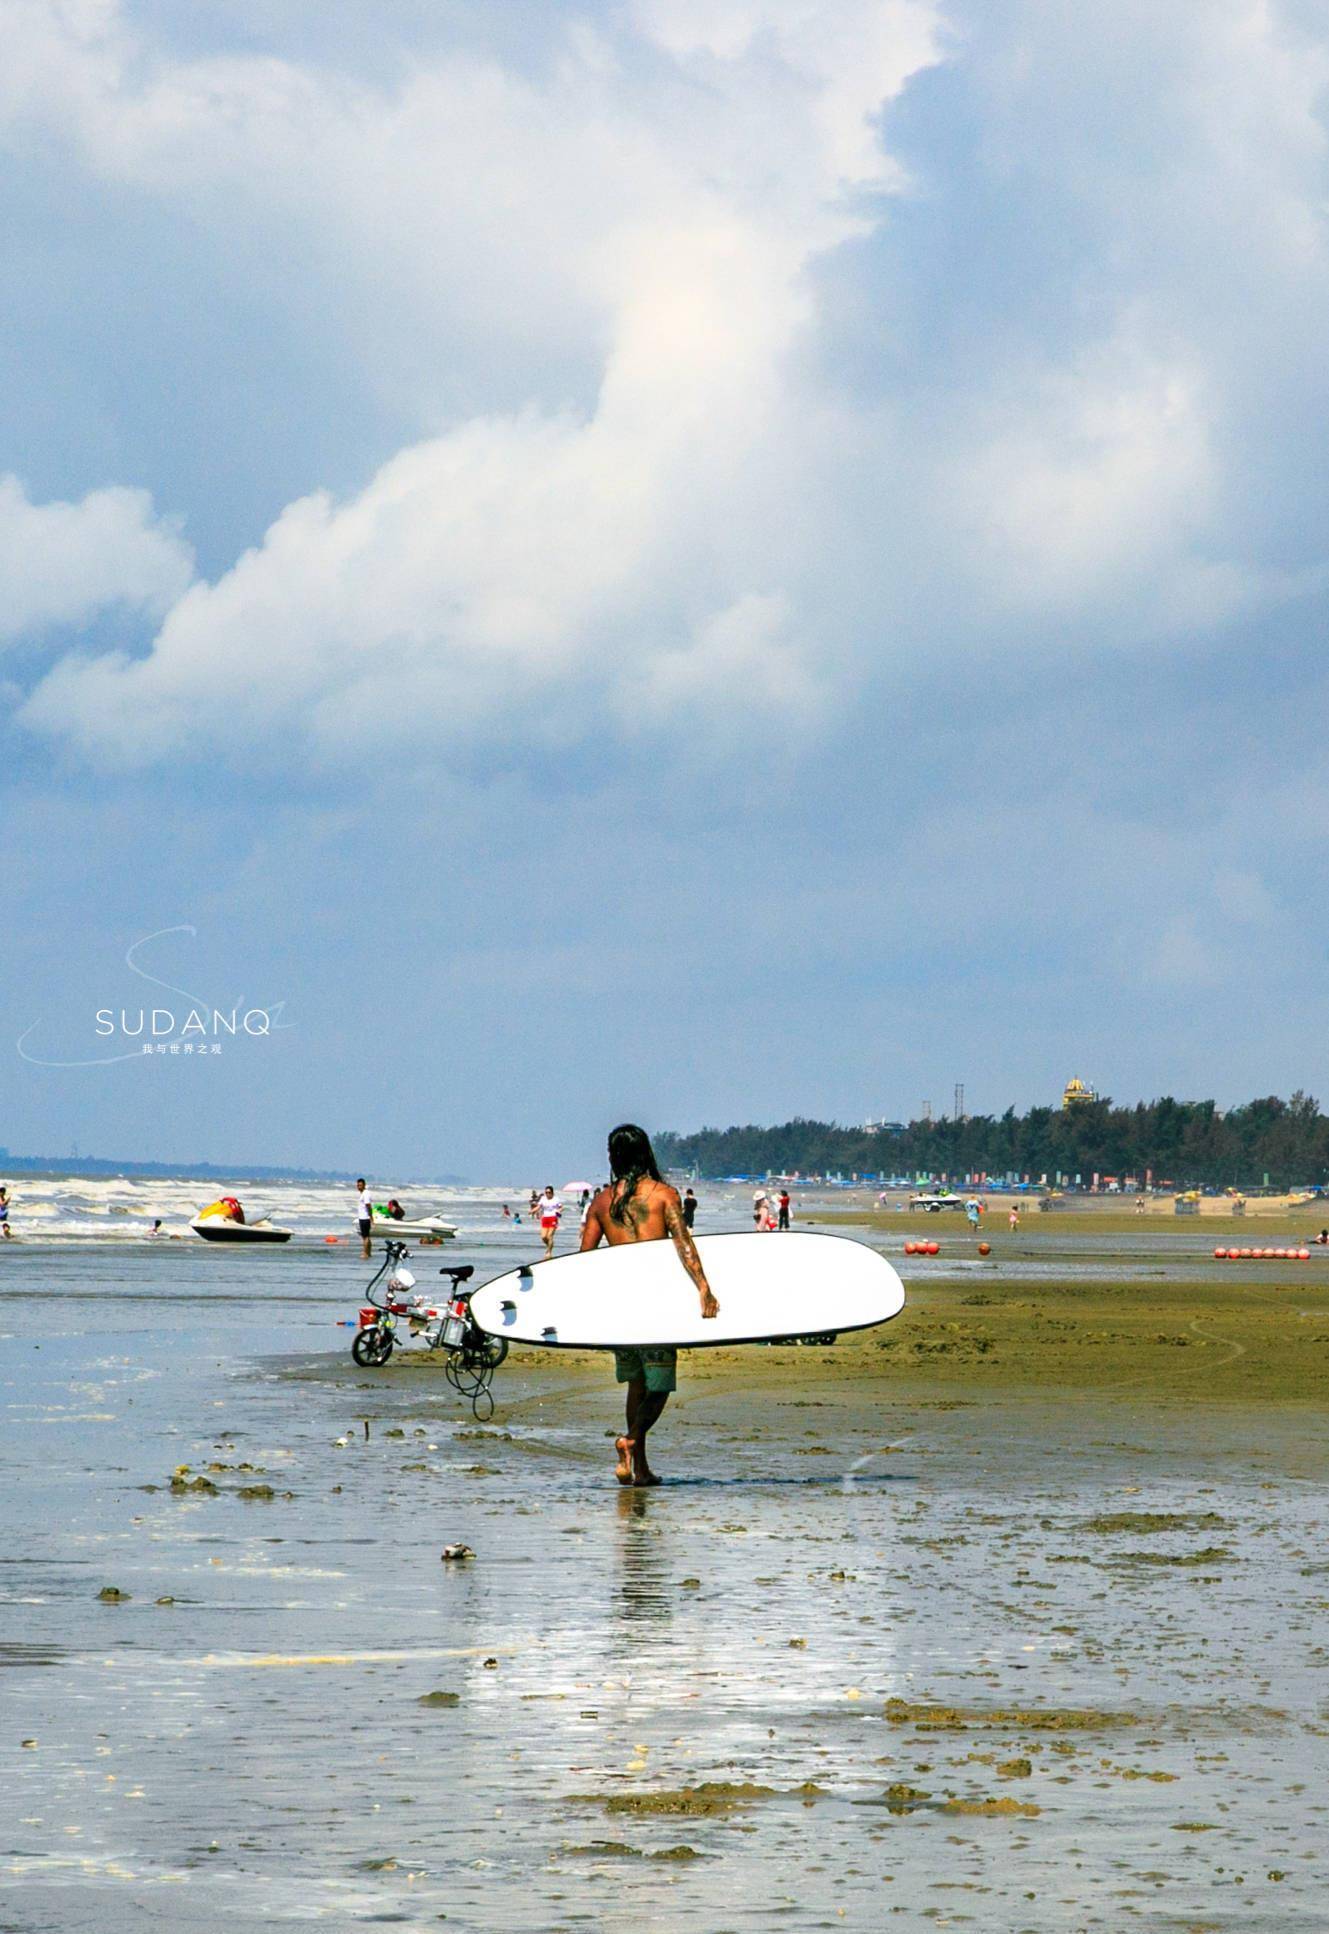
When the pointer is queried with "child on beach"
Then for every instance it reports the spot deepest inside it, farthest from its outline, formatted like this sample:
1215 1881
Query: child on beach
4 1212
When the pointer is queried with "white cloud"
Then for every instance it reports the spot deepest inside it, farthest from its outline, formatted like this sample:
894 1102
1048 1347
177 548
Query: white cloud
1094 474
497 572
61 563
642 232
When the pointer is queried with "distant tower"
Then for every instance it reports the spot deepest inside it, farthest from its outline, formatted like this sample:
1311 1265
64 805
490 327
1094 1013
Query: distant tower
1075 1093
959 1101
927 1111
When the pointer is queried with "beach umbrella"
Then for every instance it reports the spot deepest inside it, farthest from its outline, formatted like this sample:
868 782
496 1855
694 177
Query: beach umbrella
575 1188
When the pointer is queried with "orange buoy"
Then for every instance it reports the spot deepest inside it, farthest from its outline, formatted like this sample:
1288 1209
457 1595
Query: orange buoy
332 1238
1219 1254
1232 1254
1303 1255
909 1249
985 1248
934 1248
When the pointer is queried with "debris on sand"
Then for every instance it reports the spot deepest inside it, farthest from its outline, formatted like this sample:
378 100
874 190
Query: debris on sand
439 1698
112 1595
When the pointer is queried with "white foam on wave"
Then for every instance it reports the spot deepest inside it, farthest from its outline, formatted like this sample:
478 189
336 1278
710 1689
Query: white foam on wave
77 1208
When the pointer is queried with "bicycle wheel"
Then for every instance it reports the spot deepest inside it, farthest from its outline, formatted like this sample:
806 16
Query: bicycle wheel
491 1351
372 1347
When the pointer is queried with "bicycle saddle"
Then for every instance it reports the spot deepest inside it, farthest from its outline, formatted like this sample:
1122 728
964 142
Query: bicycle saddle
461 1274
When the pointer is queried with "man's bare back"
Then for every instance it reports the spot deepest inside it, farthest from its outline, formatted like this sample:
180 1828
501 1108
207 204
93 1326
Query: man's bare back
652 1213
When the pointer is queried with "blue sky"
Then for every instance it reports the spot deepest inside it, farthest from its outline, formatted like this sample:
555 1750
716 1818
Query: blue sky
702 561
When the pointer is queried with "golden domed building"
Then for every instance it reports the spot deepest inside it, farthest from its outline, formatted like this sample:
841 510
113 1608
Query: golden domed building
1076 1092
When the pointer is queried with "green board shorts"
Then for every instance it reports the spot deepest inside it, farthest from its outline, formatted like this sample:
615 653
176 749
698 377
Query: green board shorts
659 1368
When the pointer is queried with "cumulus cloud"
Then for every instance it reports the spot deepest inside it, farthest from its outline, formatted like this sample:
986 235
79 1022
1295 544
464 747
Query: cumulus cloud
60 563
652 229
543 553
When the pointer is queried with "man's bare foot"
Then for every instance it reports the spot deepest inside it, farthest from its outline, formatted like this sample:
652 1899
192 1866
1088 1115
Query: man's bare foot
641 1470
625 1446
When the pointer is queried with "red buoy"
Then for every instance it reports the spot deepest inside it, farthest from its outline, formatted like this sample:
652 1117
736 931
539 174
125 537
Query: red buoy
985 1248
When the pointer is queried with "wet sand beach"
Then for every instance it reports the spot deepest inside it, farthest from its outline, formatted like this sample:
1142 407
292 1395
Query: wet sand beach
1009 1615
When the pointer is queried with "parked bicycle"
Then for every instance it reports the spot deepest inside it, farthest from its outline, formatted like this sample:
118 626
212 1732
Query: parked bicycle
392 1298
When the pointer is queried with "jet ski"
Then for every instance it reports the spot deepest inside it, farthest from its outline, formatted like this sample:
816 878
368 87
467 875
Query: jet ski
386 1221
224 1221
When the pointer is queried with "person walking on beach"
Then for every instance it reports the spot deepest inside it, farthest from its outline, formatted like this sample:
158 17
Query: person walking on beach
689 1208
783 1220
364 1213
4 1212
638 1205
1014 1218
550 1211
759 1209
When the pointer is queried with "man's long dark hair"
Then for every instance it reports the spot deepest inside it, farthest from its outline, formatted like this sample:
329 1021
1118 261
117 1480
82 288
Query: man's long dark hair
631 1160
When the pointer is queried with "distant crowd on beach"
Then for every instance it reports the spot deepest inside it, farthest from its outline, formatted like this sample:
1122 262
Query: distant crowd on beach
770 1211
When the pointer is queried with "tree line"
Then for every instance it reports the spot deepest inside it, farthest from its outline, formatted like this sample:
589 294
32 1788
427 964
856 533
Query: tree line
1191 1144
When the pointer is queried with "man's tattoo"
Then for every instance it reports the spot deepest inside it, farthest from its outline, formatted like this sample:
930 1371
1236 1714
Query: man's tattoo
683 1242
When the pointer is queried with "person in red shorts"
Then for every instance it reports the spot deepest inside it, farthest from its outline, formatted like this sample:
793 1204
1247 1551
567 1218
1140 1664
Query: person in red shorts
550 1210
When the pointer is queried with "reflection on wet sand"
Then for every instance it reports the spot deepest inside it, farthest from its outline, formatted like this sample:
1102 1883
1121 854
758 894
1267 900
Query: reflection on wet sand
1009 1659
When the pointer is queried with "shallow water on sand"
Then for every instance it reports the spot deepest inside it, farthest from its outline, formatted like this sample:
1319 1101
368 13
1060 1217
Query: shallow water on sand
766 1695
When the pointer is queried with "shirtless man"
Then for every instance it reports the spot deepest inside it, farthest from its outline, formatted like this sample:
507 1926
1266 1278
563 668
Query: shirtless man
638 1205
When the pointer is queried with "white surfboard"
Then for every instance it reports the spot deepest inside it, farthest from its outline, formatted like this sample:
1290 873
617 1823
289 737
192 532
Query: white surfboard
638 1295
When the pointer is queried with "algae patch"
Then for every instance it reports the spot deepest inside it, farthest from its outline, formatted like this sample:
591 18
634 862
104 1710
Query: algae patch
619 1850
958 1719
1211 1555
1143 1523
712 1797
992 1809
